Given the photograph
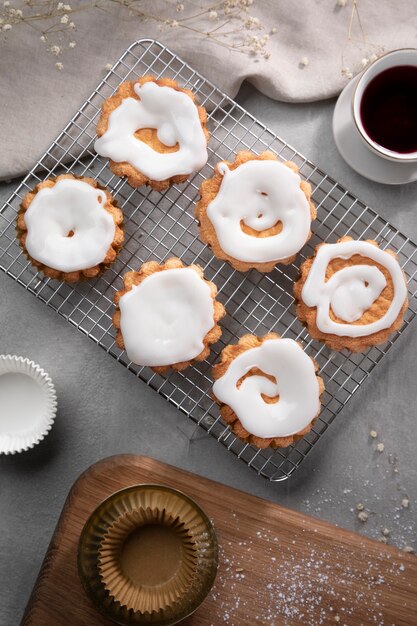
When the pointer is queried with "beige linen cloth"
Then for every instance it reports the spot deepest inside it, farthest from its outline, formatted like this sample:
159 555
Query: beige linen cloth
37 100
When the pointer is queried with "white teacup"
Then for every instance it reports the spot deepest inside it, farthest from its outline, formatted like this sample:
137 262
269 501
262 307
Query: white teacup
406 56
358 149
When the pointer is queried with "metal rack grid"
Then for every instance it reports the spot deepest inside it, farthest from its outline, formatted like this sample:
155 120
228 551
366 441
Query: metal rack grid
158 226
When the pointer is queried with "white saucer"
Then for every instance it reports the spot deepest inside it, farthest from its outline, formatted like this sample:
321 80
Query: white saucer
357 155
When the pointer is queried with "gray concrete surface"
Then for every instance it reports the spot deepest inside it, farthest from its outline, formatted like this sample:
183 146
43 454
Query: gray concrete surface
104 410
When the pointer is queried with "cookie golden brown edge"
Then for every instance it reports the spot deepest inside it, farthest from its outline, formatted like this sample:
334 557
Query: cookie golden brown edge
209 190
228 354
132 279
110 206
308 315
134 177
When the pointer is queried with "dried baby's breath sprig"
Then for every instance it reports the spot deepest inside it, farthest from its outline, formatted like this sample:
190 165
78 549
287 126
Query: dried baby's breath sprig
225 22
357 41
49 18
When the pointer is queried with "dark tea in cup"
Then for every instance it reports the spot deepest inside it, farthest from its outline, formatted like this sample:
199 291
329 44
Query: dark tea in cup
388 109
384 106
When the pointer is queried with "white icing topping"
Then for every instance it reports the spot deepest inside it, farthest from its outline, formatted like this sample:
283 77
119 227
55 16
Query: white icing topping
165 318
175 117
70 206
261 194
352 290
296 385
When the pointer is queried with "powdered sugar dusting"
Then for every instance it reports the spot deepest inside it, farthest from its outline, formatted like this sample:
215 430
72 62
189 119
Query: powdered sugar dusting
301 577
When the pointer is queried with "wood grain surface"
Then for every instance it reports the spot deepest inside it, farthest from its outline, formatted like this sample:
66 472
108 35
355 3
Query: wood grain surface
277 566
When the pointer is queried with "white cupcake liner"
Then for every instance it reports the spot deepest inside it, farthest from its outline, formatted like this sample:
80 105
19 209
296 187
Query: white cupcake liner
12 442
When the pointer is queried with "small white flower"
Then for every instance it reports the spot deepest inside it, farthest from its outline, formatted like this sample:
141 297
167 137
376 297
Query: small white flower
373 434
173 24
64 19
180 7
71 25
60 6
7 27
43 38
405 503
108 67
67 7
6 3
380 447
72 44
347 73
386 532
364 62
18 13
341 3
59 66
55 50
212 15
304 61
362 516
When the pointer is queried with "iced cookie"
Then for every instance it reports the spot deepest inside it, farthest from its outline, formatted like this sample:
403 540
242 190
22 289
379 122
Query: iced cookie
167 315
255 212
268 390
70 228
153 132
351 294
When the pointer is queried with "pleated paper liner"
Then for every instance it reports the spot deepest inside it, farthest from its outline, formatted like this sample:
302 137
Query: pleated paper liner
148 555
27 404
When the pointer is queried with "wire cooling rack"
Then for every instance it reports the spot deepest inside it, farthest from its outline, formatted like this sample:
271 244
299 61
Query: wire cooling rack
158 226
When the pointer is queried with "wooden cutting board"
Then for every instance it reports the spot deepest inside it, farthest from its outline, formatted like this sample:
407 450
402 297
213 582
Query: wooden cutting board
276 566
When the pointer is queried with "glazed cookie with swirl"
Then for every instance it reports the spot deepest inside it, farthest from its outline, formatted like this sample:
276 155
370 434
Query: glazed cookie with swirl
268 390
153 132
70 228
351 294
255 212
167 315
